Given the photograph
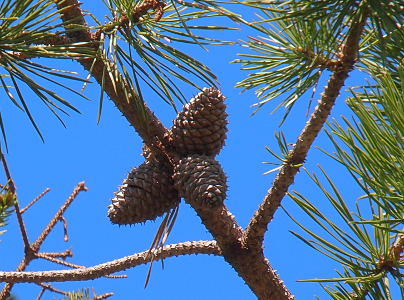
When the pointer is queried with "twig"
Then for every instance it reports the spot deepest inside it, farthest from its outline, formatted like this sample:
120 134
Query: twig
58 261
35 200
80 187
65 236
103 296
51 288
187 248
16 205
40 293
74 266
33 250
63 255
257 227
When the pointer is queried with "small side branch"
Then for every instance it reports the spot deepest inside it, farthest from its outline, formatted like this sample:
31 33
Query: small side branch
80 187
35 200
49 287
32 251
187 248
65 235
70 265
257 227
63 255
16 205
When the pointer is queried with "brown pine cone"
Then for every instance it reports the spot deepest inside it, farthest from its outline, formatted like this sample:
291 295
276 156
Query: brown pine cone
200 180
146 193
200 128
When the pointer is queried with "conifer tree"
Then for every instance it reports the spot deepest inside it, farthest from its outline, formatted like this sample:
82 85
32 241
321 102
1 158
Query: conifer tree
296 44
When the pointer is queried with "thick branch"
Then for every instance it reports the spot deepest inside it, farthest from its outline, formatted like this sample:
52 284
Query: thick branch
257 227
200 247
153 132
27 249
253 267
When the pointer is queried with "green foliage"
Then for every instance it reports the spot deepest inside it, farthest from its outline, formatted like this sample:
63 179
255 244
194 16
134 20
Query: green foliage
302 39
290 58
376 142
284 149
140 48
82 294
26 29
7 201
370 248
148 55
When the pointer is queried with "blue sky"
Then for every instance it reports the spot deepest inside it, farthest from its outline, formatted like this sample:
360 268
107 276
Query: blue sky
103 154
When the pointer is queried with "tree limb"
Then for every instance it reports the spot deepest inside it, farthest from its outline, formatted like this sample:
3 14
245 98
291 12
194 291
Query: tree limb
153 132
195 247
253 267
35 200
257 227
80 187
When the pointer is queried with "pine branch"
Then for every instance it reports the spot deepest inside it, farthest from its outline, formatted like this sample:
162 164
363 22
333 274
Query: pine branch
253 267
63 255
49 287
16 205
27 248
187 248
33 249
153 132
35 200
220 222
257 227
70 265
79 188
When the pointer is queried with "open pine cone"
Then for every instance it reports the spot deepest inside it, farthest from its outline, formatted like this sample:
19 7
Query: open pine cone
200 128
145 194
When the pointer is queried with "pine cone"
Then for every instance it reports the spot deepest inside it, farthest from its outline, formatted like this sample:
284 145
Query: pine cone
201 127
200 180
145 194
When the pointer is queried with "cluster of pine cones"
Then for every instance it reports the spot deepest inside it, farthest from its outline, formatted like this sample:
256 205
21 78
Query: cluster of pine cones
198 134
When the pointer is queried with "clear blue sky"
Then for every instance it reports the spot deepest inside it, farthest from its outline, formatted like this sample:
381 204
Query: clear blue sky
103 154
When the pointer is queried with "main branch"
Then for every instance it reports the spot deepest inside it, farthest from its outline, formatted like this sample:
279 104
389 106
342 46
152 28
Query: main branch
153 132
